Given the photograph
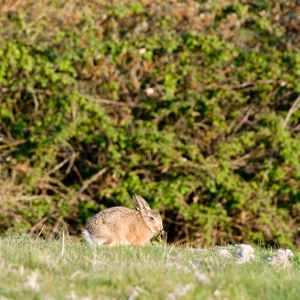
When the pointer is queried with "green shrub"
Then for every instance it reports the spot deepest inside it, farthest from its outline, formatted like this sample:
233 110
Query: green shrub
192 105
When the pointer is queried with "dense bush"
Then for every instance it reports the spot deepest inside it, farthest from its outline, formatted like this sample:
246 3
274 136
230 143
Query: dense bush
193 104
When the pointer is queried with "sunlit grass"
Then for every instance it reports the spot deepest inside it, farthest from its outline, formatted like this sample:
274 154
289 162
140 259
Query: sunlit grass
36 269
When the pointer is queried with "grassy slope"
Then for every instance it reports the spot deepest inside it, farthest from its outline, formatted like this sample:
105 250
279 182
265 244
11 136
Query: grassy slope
33 269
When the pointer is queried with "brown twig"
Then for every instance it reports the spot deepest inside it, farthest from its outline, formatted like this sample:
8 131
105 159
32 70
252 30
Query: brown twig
57 167
28 198
77 173
38 224
13 144
244 120
4 90
294 108
70 159
252 83
92 179
240 162
87 183
71 163
40 231
117 103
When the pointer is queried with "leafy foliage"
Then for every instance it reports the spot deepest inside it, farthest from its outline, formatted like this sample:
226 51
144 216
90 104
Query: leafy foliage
192 105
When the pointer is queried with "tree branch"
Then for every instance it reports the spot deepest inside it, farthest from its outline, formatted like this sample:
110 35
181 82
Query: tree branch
117 103
87 183
294 108
252 83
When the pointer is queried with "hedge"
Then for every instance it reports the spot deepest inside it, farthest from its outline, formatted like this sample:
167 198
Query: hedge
194 105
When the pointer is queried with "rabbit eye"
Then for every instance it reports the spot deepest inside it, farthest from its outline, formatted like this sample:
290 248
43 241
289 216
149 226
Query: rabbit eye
152 218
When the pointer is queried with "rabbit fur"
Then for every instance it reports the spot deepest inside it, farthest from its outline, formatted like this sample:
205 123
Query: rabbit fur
123 226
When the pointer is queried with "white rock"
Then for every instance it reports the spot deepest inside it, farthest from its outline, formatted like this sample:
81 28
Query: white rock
217 293
180 291
200 277
32 281
244 253
201 250
281 257
133 295
142 51
224 253
289 253
149 91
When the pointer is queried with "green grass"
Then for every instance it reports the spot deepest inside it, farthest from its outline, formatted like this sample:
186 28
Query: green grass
36 269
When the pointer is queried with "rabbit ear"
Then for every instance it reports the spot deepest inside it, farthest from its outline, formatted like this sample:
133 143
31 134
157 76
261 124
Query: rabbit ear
140 203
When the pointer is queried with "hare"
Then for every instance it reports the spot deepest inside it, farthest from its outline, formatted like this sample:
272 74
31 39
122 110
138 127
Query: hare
123 226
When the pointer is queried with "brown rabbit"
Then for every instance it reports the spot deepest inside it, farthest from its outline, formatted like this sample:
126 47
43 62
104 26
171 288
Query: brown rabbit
124 226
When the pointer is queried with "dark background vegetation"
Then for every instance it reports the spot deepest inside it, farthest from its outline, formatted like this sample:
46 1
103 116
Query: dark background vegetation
192 104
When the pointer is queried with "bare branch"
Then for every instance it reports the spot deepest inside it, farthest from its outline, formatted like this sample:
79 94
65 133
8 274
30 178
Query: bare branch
40 232
57 167
92 179
117 103
88 182
294 108
252 83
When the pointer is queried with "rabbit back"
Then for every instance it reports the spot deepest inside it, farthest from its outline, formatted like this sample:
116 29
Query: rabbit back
117 226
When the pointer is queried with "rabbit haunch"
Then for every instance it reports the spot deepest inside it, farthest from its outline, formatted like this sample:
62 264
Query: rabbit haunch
124 226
